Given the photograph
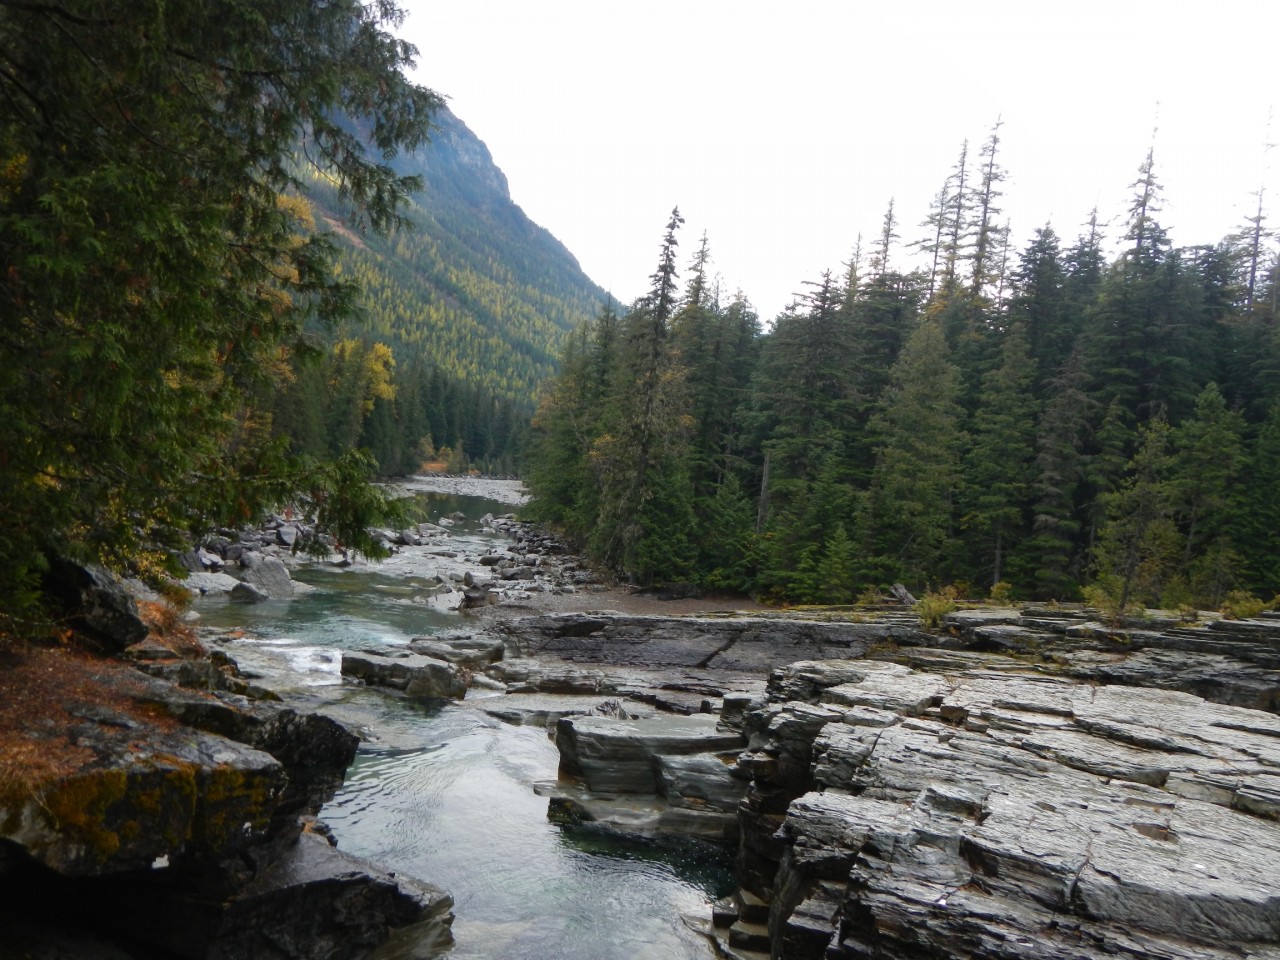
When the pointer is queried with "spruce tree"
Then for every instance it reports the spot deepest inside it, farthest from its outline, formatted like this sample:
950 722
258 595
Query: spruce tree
644 480
1258 518
986 232
1053 553
1137 550
1039 304
1208 455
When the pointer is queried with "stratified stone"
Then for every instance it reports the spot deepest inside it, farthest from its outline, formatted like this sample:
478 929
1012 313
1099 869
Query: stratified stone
621 756
994 815
416 675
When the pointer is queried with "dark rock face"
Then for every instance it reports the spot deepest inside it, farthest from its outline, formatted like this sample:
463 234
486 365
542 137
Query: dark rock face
307 900
162 795
96 604
746 644
316 901
895 813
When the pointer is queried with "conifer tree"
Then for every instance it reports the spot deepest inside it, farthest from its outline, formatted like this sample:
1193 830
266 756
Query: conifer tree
880 259
1137 548
645 496
1209 452
986 232
908 514
1258 518
1053 552
155 266
999 461
1039 304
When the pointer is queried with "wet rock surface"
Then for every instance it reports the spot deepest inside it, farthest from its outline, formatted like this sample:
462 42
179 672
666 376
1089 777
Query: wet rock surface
740 644
1022 783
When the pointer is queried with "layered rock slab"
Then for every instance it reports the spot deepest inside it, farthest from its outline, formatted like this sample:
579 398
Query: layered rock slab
744 644
996 815
656 774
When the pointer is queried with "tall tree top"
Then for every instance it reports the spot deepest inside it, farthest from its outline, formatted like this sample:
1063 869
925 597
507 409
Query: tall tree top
1147 235
663 290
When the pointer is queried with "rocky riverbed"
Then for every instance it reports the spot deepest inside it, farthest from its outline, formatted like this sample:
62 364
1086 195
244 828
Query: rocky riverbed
1019 783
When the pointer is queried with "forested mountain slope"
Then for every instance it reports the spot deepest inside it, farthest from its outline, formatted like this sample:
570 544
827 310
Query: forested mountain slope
473 301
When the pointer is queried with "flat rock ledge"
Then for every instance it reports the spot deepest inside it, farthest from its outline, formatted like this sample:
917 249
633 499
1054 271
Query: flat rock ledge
985 814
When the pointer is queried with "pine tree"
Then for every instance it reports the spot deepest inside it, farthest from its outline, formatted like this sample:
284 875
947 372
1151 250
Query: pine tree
1039 304
155 264
986 232
640 460
1258 518
1053 552
1208 455
880 259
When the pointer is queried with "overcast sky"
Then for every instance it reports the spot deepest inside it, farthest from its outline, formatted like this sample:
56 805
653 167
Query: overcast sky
783 128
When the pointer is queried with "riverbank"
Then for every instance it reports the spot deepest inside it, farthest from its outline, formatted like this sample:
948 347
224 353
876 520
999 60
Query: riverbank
502 489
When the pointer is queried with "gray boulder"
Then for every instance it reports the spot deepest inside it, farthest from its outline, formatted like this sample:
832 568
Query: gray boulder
414 674
245 592
207 584
270 576
95 603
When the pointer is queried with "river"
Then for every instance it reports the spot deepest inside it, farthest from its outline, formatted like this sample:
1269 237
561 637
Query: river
445 793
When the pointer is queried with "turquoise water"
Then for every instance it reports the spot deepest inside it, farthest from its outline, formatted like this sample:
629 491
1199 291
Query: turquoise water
446 793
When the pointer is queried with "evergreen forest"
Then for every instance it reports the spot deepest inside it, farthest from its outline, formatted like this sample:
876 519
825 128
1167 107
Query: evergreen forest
1047 423
460 316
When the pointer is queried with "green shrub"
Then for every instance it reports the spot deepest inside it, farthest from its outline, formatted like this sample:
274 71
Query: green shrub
870 597
1241 605
1002 593
932 608
1104 596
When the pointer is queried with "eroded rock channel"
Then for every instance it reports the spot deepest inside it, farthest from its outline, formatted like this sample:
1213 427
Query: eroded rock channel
1021 783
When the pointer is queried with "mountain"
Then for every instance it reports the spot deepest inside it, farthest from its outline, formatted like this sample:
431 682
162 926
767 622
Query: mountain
474 288
462 317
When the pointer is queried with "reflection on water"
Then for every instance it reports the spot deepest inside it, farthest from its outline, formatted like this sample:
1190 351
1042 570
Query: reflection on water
445 793
462 813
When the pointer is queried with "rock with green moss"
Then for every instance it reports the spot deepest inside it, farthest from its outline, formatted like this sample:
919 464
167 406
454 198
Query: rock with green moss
156 797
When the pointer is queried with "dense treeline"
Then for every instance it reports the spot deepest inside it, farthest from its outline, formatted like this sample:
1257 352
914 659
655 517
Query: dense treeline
404 411
1044 419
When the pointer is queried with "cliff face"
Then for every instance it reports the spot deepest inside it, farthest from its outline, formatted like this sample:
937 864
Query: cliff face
474 288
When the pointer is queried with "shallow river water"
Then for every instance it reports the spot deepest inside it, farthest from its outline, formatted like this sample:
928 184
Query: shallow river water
445 793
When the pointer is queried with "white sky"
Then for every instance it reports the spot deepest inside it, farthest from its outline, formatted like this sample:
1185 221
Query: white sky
783 128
